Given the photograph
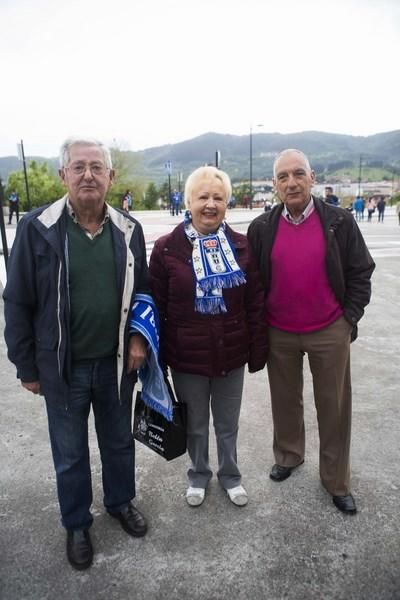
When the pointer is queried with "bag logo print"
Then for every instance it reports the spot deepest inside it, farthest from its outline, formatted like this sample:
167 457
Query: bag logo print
142 426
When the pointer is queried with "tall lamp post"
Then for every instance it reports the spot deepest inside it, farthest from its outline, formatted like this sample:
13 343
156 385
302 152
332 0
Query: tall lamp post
359 176
3 226
179 179
168 168
251 164
21 156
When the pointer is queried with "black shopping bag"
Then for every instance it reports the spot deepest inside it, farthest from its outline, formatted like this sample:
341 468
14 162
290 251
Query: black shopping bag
166 438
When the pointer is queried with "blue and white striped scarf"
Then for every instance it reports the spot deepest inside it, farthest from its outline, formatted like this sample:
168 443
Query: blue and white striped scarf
214 266
145 320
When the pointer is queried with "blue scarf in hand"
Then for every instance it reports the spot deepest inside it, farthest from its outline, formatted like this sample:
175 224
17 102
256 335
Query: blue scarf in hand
145 320
214 266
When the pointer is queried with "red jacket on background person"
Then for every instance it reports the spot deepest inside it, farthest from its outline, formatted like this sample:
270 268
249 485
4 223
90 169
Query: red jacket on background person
208 345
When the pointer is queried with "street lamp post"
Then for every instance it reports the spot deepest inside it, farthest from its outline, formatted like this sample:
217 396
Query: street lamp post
3 226
21 155
180 181
359 176
251 165
251 168
168 167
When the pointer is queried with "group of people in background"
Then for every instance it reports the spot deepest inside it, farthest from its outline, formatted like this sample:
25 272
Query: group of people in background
296 285
359 205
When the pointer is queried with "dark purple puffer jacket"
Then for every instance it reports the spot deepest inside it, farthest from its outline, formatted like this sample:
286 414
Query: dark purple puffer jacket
210 345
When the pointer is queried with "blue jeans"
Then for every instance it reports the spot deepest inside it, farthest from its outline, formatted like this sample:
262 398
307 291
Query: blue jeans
93 382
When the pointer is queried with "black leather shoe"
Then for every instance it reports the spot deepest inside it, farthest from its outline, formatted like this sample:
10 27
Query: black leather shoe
279 473
79 549
132 521
345 503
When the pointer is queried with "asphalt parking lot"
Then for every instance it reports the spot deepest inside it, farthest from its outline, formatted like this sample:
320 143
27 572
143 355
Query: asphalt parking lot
288 543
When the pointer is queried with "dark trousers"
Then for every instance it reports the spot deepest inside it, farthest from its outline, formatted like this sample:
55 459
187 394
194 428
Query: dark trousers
328 353
14 208
93 383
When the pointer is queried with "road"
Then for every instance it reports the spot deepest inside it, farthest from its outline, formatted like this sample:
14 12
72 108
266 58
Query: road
288 543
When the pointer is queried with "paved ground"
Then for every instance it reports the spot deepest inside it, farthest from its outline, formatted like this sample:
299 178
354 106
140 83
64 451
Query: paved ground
288 543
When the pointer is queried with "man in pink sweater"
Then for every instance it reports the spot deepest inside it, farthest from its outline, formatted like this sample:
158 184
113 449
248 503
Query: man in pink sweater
316 272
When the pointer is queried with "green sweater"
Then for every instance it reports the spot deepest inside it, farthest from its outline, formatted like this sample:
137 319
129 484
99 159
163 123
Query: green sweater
93 290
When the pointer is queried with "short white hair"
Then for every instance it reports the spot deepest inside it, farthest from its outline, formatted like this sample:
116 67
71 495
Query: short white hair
75 141
207 173
290 151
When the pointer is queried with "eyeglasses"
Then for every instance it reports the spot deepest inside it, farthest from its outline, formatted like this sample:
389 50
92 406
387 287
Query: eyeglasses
94 168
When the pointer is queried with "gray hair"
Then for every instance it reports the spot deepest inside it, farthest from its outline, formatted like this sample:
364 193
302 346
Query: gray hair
290 151
207 173
66 146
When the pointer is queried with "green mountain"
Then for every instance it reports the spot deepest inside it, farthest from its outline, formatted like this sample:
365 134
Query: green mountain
327 152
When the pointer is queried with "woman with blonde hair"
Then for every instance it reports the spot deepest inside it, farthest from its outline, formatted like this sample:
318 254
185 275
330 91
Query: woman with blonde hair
210 301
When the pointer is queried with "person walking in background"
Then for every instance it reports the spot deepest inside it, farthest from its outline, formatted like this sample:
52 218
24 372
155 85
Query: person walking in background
176 202
330 197
370 209
359 208
13 207
316 271
381 205
398 211
127 201
210 301
73 274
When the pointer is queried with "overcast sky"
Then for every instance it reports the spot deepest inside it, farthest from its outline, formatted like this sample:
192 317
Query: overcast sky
143 73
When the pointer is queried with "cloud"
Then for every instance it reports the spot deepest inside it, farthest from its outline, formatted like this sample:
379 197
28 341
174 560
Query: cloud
153 72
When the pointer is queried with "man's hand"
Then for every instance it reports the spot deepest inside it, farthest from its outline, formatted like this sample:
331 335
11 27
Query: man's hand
31 386
137 351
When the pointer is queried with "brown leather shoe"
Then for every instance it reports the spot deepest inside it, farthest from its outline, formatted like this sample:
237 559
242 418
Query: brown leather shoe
79 549
132 521
345 503
279 473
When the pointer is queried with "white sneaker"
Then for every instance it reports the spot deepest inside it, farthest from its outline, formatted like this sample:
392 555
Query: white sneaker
238 495
195 496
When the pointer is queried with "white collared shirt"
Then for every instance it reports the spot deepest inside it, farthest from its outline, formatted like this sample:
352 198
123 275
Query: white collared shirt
74 217
309 209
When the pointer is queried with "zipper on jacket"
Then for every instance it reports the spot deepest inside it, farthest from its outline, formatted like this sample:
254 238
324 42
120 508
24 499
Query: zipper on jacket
59 317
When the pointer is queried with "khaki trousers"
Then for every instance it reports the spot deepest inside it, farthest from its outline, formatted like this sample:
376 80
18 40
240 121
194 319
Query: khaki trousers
328 353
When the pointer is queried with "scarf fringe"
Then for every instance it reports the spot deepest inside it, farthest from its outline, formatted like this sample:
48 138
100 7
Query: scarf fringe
227 280
210 306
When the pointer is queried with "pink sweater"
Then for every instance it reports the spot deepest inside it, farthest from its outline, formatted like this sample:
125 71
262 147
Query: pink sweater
300 298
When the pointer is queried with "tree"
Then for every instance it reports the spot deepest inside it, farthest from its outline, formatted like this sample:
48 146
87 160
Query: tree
163 192
242 194
128 176
44 186
395 199
151 195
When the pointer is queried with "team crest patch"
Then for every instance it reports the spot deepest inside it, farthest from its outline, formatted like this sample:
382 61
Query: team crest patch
142 426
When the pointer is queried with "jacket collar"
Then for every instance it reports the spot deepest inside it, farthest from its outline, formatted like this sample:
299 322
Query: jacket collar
51 215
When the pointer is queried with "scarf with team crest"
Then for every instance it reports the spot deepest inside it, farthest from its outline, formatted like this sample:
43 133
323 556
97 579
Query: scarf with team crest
145 320
214 266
